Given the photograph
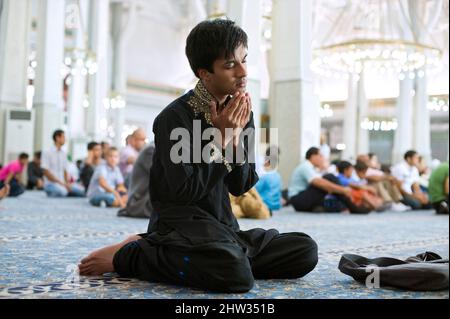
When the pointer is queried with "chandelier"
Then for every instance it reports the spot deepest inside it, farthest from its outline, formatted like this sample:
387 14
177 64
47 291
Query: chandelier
384 125
365 39
79 62
376 56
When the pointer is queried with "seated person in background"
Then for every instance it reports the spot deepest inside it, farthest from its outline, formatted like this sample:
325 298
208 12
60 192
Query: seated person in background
387 186
362 194
424 174
105 146
408 174
438 189
269 184
94 158
57 180
139 203
129 154
12 175
35 173
107 184
308 189
249 205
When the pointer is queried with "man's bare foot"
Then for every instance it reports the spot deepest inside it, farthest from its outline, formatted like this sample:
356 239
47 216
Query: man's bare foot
100 261
4 191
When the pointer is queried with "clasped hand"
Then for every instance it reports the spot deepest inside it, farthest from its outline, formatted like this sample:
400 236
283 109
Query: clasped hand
235 116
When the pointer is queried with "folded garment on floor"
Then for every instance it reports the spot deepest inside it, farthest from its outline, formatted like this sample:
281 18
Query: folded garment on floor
424 272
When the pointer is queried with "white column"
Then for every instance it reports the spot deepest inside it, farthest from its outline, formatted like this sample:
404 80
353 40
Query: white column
356 139
362 146
422 126
48 100
248 15
77 88
14 31
122 27
293 106
404 133
99 83
350 119
421 29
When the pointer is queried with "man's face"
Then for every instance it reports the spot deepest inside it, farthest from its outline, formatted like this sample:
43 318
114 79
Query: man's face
317 160
23 161
374 162
61 139
112 158
139 141
414 161
230 75
97 151
348 172
105 148
361 174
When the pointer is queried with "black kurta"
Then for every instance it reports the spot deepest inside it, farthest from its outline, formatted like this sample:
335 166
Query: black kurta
193 237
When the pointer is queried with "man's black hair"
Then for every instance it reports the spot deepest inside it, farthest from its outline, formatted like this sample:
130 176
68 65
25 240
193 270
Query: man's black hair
212 40
272 155
311 152
361 166
38 154
23 156
57 133
91 145
342 166
410 154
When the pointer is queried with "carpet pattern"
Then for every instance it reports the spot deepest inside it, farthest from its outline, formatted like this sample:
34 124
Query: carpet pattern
42 240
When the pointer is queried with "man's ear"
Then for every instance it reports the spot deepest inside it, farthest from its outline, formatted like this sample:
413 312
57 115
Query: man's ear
204 75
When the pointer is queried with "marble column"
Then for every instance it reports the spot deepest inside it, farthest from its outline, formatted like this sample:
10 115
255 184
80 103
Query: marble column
248 15
404 110
294 108
421 30
99 84
120 35
356 139
77 88
48 100
14 15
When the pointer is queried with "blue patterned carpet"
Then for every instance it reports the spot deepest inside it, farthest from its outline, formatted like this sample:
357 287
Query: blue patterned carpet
41 241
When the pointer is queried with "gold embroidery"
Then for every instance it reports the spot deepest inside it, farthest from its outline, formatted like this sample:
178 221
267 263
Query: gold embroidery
199 102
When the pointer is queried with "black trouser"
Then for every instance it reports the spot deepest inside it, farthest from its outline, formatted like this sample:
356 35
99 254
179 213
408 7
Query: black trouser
441 207
221 267
15 188
314 196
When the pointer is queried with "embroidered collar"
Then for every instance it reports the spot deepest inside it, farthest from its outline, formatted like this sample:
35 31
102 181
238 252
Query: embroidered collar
199 102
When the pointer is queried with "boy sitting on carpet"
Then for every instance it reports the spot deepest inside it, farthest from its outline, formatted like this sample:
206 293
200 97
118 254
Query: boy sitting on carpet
362 194
269 184
107 184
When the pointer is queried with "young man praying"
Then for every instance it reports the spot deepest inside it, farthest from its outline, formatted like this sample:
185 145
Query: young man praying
193 238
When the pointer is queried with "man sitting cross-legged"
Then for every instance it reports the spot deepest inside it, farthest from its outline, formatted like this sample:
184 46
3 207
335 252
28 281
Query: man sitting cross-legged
193 238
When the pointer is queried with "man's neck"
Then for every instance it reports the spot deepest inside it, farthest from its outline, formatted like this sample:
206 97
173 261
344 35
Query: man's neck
58 147
218 97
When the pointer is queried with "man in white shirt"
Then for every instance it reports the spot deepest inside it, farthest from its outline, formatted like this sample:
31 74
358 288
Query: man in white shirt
55 166
408 173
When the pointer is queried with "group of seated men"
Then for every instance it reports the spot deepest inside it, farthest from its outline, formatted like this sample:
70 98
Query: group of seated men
314 186
98 177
